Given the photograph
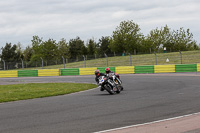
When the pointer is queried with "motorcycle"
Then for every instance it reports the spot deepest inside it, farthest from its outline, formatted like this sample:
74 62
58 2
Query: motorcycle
108 84
116 80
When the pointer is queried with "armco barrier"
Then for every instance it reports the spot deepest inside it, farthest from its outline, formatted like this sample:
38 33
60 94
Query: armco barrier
69 71
8 74
27 73
124 70
198 67
48 72
102 69
87 71
90 71
144 69
186 68
164 68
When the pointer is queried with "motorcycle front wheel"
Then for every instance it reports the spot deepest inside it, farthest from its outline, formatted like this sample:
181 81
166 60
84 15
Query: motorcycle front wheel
118 89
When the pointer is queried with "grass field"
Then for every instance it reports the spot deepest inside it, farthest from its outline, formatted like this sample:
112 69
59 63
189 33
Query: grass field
188 57
38 90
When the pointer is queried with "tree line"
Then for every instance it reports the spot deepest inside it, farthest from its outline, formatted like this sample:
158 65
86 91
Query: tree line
126 38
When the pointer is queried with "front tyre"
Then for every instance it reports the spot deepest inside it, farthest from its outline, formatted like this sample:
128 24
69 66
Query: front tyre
122 88
118 89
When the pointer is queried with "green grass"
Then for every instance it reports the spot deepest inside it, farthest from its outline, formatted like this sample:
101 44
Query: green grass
188 57
38 90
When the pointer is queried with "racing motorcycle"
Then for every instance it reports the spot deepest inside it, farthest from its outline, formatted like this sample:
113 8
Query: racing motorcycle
108 84
116 80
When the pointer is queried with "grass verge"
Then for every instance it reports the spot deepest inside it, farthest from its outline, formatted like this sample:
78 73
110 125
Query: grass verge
188 57
38 90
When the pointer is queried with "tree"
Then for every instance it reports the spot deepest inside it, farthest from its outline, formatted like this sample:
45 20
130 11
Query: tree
126 37
104 46
172 40
36 49
75 46
91 47
183 40
158 37
63 49
19 51
36 42
9 53
49 50
146 45
28 53
84 50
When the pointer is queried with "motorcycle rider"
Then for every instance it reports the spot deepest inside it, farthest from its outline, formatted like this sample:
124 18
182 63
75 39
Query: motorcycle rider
107 70
98 74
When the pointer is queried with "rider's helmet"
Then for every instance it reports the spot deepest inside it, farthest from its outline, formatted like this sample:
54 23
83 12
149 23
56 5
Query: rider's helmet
97 72
107 70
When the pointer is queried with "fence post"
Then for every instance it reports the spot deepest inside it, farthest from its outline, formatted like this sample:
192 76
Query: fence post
63 61
4 64
84 61
42 62
155 57
130 60
22 64
106 58
180 56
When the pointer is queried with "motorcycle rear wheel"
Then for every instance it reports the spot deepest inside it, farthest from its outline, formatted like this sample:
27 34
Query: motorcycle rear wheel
110 90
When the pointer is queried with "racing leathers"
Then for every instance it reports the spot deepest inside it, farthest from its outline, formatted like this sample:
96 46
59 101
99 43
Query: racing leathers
97 80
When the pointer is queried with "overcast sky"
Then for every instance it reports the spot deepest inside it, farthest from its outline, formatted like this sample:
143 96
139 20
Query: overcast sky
20 20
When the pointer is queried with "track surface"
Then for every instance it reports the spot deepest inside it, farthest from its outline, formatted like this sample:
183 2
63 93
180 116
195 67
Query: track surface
146 98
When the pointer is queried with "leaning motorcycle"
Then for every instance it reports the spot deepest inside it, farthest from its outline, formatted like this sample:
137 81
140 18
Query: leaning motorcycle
116 80
108 84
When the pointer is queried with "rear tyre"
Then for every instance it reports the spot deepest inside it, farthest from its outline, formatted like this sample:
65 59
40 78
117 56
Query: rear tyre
110 90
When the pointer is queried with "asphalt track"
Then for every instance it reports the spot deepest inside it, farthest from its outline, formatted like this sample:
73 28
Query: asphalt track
146 98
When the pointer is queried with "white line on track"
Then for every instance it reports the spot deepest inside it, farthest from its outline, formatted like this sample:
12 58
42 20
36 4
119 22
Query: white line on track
131 126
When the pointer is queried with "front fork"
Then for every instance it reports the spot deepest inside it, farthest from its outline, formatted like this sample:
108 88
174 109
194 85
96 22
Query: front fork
117 81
